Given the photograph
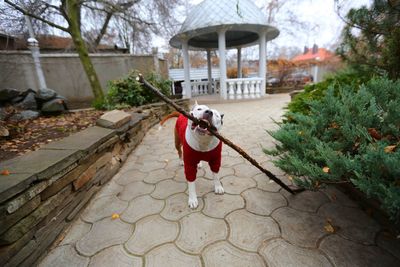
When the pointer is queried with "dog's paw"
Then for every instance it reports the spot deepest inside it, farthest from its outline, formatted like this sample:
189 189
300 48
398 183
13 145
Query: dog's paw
219 190
193 202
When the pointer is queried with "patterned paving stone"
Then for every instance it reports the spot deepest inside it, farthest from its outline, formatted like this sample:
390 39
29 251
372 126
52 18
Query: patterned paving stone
173 164
198 231
344 252
264 183
223 171
127 177
176 207
263 203
169 256
269 165
306 201
224 254
103 207
105 233
152 166
64 256
390 243
134 190
203 186
248 231
245 170
180 175
151 232
115 256
300 228
167 188
236 185
279 253
229 161
110 189
158 175
78 229
141 207
353 223
338 197
218 206
145 159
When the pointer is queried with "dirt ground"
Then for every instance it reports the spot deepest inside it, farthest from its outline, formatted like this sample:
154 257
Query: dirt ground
29 135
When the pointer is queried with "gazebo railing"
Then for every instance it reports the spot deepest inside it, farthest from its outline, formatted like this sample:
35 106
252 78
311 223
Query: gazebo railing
201 87
244 88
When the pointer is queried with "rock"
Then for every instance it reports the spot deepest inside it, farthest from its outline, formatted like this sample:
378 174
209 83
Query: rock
3 114
114 119
8 94
4 131
29 102
46 94
25 115
54 105
17 99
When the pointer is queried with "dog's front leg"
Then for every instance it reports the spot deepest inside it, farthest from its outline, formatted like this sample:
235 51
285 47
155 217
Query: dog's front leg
193 202
218 189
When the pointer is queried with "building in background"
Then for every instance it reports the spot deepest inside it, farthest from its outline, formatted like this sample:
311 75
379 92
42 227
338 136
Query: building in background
317 62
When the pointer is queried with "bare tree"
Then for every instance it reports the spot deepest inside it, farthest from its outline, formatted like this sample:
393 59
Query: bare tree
87 22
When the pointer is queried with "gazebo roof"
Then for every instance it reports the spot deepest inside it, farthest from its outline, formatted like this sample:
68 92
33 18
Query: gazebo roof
243 22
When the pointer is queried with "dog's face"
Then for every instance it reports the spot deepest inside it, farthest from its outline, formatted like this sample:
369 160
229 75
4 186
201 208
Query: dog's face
203 112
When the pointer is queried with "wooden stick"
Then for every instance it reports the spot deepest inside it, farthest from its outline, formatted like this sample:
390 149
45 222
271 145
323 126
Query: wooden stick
213 131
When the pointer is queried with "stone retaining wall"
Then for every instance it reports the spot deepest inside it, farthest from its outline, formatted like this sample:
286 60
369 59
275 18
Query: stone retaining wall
47 188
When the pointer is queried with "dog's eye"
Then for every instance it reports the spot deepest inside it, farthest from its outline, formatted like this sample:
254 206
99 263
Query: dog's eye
199 109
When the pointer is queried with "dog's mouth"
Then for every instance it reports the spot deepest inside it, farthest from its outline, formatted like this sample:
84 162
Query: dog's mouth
200 128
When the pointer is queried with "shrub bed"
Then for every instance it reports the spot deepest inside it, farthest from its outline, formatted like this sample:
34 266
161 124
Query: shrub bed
347 136
128 92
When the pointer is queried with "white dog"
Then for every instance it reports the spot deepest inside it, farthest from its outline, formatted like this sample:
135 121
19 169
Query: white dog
198 145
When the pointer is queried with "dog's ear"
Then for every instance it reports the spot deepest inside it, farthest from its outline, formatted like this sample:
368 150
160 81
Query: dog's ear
195 103
222 118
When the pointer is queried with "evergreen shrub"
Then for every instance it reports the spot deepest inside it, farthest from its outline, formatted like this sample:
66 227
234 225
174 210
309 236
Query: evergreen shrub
347 136
311 92
128 92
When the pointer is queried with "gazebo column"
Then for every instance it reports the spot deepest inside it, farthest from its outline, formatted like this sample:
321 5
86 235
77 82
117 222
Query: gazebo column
262 61
222 62
187 91
209 71
239 62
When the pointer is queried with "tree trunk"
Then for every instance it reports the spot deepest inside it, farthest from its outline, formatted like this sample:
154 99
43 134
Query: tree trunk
73 11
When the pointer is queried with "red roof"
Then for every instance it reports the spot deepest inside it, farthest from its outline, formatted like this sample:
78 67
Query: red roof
321 55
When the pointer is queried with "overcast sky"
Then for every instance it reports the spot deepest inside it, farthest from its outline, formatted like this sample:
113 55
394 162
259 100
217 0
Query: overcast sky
319 13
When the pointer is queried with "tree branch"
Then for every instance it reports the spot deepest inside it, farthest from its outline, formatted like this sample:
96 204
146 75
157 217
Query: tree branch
103 29
20 9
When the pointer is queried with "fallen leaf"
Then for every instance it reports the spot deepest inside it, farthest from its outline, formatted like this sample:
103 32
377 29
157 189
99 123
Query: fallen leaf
5 172
389 149
325 169
374 133
115 216
329 228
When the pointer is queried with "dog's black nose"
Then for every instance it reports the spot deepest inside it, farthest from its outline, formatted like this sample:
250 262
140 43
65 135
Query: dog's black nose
208 112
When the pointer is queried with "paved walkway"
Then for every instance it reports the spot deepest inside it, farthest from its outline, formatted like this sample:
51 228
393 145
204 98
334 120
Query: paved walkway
253 224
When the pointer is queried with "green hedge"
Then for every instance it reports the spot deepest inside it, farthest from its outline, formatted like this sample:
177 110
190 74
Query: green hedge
347 136
128 92
301 102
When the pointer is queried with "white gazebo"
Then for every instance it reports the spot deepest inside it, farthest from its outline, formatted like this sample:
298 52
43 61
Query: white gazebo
220 25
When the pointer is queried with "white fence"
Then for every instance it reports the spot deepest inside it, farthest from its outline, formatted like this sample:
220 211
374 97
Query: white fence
244 88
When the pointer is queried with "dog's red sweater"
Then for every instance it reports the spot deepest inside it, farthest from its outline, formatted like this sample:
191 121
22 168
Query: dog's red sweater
192 157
